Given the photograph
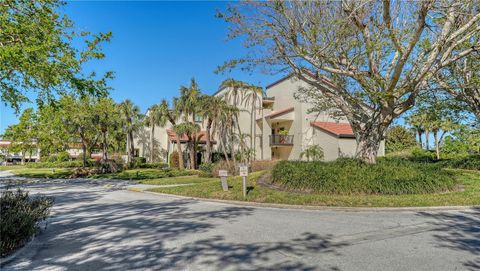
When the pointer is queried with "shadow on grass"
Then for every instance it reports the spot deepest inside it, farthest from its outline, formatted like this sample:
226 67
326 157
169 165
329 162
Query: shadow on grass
459 231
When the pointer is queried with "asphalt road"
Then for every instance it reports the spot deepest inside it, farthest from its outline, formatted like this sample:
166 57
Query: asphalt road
104 227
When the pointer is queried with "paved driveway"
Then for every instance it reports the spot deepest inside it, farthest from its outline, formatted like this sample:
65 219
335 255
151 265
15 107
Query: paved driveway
97 227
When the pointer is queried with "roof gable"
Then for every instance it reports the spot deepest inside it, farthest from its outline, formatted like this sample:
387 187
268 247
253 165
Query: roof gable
341 130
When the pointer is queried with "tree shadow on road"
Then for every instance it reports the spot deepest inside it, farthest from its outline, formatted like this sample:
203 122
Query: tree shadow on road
459 231
162 236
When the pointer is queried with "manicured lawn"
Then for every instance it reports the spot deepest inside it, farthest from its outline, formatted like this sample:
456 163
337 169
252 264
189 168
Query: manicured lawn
12 167
43 172
177 180
145 173
469 195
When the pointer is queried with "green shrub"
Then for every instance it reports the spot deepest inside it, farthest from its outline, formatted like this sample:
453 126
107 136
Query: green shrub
20 215
174 160
139 161
421 155
260 165
471 162
159 165
63 156
66 164
149 173
351 176
206 169
49 159
224 165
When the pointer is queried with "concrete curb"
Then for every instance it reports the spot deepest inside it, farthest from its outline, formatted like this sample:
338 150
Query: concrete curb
316 207
6 260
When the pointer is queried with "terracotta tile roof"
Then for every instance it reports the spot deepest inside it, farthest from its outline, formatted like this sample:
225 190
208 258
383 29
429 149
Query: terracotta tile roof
201 137
280 112
337 129
5 143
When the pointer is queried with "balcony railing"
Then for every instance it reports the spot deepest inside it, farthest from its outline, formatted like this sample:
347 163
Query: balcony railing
281 140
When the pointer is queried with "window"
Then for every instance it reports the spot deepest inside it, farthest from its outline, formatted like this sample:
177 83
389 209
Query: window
198 118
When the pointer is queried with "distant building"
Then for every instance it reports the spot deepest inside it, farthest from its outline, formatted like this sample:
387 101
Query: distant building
283 127
6 156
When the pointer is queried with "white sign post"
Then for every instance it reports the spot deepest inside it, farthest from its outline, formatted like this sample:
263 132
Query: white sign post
223 177
244 173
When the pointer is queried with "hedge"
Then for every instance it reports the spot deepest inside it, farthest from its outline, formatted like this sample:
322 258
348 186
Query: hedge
350 176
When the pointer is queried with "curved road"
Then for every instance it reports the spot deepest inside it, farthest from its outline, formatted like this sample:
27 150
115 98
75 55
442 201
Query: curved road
101 226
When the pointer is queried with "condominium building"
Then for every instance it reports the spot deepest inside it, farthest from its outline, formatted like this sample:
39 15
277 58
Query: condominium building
287 126
275 126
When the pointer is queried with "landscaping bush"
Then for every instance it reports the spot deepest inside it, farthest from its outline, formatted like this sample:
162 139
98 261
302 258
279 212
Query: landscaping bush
110 166
421 155
351 176
206 170
66 164
20 216
63 156
174 160
159 165
149 173
260 165
223 165
471 162
139 161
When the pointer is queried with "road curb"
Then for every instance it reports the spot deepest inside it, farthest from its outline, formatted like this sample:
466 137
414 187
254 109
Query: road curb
315 207
8 259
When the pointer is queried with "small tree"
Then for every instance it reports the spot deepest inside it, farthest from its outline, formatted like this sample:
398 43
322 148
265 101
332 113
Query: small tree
190 130
399 138
312 152
131 120
23 134
172 115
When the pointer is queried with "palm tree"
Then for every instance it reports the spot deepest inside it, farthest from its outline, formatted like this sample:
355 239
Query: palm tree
254 93
172 115
189 105
190 130
238 91
211 110
314 152
131 119
227 124
153 119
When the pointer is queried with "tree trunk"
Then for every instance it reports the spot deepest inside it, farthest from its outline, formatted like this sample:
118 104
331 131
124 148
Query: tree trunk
23 158
192 152
221 141
427 135
105 155
84 150
437 144
232 146
254 127
420 140
240 137
152 131
368 142
208 153
180 153
131 149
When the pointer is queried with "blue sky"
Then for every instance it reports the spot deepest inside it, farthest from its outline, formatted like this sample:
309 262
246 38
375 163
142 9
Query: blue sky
156 47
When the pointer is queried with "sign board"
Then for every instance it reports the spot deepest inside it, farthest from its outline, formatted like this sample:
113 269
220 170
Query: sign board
223 173
244 171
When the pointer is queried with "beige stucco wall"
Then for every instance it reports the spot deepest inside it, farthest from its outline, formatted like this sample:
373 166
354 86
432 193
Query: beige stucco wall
304 134
296 122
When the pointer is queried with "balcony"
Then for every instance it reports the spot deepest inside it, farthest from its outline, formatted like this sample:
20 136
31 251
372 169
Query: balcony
281 140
